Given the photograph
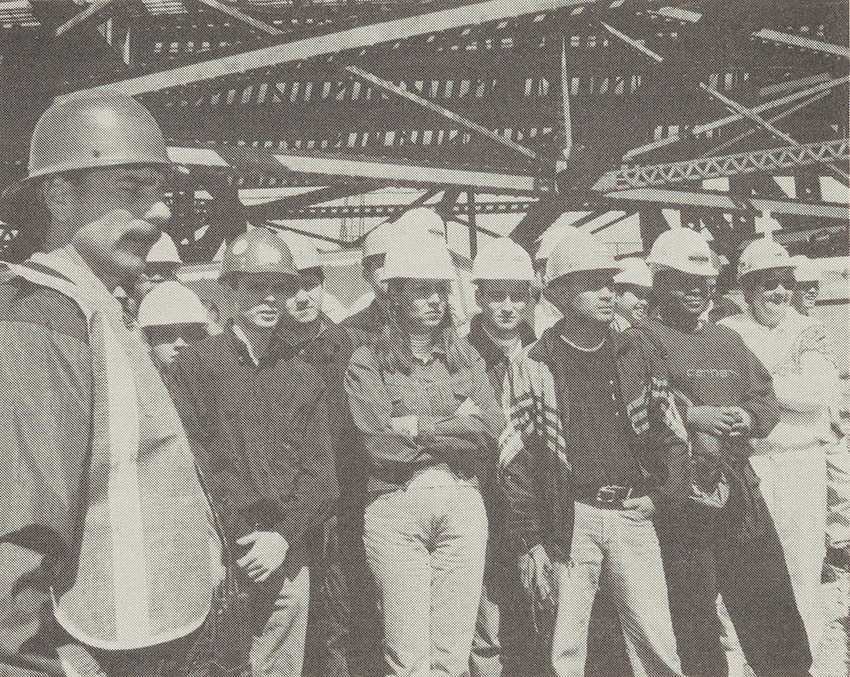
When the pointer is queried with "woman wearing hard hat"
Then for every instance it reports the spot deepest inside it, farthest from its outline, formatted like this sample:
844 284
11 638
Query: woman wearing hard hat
171 316
728 545
791 461
429 421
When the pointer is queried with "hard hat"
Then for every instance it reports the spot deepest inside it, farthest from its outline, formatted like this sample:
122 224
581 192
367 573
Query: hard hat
257 251
414 253
578 251
304 253
164 251
805 270
100 130
378 240
554 233
635 271
171 303
682 249
423 218
763 254
502 259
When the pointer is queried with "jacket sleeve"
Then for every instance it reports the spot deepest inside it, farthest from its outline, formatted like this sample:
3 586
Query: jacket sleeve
45 441
315 486
758 398
371 410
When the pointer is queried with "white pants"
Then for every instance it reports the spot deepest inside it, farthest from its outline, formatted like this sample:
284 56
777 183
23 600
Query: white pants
623 554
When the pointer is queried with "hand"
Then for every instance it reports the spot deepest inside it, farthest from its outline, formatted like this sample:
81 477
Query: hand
743 423
638 509
717 421
536 574
268 550
468 408
405 425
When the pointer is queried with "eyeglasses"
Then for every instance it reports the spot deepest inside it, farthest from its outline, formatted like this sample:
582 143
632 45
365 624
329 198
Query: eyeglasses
772 283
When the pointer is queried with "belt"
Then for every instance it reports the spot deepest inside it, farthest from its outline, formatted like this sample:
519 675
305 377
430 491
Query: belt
609 497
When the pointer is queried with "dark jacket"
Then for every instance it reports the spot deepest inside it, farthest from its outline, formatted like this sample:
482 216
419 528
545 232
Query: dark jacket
538 484
494 358
365 326
261 435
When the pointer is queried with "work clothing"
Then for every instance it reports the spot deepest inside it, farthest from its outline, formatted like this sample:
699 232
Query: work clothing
791 461
425 523
580 421
263 442
738 553
365 326
100 478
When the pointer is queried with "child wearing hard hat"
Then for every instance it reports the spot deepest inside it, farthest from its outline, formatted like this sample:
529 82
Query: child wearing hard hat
591 452
791 461
724 541
632 287
171 316
424 406
503 273
258 414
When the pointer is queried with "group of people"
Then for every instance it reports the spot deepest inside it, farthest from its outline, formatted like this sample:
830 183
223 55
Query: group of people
389 496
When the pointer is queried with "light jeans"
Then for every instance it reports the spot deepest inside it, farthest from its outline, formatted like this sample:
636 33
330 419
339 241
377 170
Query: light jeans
793 483
425 546
486 659
277 650
624 555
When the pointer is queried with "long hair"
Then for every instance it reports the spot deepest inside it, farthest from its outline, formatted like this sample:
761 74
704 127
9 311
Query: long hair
393 345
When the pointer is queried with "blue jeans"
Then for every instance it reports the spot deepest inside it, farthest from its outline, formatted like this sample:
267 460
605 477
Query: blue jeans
425 546
623 554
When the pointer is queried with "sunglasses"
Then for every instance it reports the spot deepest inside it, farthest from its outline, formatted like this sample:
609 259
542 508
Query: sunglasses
771 283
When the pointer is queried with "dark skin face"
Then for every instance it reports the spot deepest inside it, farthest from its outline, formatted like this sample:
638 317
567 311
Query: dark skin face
681 297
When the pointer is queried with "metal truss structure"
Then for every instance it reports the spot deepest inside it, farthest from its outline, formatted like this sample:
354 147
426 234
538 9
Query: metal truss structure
524 107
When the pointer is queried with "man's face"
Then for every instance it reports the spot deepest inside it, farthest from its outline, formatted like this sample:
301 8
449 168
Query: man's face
805 295
503 303
112 243
373 267
259 298
681 294
769 295
305 304
586 295
167 341
630 301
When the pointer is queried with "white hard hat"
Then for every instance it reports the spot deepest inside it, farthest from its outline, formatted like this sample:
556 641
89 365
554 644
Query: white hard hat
171 303
378 240
763 254
554 234
423 218
502 259
304 253
635 271
416 254
682 249
579 251
164 251
805 270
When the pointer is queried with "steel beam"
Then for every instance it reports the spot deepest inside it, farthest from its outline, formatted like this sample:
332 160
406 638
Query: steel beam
634 43
236 14
801 42
88 12
728 165
717 124
393 211
333 43
445 112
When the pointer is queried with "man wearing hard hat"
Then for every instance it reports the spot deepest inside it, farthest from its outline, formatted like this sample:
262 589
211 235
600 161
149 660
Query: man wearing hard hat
723 541
365 324
545 314
171 316
334 644
503 273
106 537
593 449
631 293
791 461
258 413
807 277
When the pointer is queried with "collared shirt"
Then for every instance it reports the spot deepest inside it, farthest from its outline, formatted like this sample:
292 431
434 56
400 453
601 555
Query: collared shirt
495 358
432 394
